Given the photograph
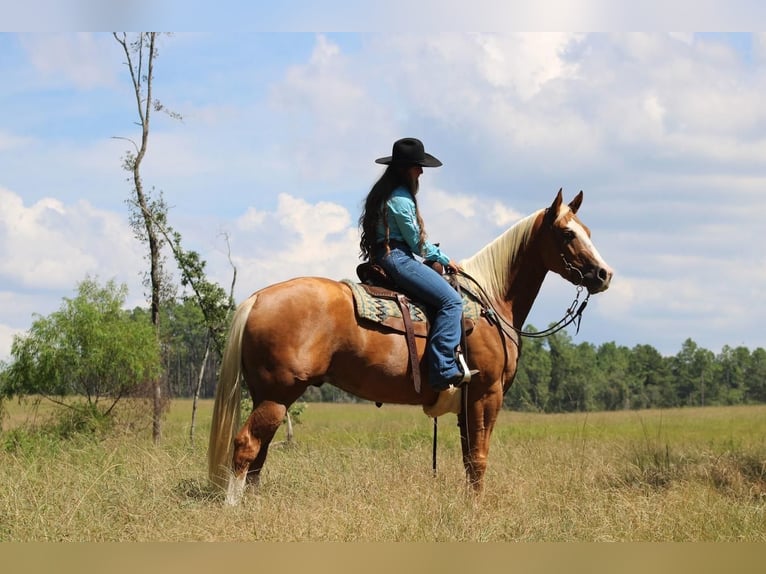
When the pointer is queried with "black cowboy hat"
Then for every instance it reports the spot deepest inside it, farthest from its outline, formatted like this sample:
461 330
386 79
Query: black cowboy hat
409 151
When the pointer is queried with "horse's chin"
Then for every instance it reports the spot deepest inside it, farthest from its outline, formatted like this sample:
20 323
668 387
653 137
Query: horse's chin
596 285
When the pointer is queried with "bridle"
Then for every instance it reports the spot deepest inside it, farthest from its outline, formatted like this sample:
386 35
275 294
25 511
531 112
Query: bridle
572 314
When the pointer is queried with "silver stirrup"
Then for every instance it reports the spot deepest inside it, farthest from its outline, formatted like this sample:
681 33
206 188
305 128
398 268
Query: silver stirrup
467 373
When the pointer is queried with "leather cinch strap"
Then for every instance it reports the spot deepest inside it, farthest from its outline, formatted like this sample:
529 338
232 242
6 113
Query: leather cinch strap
410 336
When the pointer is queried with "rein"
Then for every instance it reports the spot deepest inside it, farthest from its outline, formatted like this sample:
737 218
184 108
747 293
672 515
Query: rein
572 314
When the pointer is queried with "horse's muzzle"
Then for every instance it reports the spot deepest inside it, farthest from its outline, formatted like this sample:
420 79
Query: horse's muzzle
597 279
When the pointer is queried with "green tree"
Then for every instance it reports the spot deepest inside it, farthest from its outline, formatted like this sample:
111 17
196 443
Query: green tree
755 376
215 305
90 347
653 381
184 339
191 329
573 374
729 385
615 390
693 370
530 388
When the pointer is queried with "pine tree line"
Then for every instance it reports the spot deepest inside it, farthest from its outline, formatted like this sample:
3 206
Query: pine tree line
556 375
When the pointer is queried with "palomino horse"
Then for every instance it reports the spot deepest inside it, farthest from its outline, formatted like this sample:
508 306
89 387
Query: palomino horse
304 332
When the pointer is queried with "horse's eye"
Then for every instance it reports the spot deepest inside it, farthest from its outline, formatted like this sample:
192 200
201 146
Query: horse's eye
569 235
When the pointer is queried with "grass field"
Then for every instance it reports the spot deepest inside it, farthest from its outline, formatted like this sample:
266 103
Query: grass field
358 473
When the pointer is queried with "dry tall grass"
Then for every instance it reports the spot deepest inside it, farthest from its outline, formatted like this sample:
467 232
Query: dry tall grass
357 473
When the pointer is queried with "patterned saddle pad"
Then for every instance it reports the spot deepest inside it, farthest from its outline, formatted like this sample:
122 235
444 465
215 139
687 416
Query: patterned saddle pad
385 311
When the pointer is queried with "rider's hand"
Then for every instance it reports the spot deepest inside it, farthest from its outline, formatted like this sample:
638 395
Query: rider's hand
453 267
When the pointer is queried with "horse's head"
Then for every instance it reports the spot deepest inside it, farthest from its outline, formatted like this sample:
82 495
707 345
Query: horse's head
571 252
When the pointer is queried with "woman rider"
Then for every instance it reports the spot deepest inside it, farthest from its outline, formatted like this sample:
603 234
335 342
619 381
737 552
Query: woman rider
392 234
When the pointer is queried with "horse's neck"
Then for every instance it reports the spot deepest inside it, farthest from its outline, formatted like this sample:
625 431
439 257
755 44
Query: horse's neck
524 287
519 271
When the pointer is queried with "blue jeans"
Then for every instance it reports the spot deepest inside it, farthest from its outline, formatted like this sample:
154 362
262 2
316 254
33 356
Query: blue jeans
445 306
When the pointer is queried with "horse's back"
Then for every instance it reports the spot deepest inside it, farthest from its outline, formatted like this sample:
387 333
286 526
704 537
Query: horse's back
302 305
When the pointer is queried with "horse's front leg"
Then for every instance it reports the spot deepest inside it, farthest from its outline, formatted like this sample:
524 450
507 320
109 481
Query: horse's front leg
476 423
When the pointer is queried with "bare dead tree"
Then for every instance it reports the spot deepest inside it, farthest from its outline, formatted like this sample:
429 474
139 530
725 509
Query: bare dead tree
140 54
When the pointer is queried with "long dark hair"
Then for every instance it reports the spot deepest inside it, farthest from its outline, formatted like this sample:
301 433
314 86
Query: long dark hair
394 177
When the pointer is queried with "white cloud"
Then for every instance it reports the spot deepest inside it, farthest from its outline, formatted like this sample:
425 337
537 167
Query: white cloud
463 223
50 245
6 340
442 201
525 62
328 114
314 223
298 238
251 219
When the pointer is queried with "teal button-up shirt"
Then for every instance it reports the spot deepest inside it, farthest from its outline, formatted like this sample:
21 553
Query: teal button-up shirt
403 226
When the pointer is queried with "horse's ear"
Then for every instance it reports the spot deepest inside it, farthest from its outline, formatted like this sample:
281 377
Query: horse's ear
553 211
574 205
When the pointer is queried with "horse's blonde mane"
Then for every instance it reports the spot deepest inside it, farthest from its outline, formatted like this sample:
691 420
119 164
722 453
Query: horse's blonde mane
491 265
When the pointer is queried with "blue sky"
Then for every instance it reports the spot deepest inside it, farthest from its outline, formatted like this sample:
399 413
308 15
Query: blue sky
664 133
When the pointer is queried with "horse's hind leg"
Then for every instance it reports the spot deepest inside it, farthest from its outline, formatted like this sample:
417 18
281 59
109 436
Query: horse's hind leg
264 421
251 446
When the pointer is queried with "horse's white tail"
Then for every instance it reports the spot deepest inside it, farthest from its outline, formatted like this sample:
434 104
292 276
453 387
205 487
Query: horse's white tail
226 419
